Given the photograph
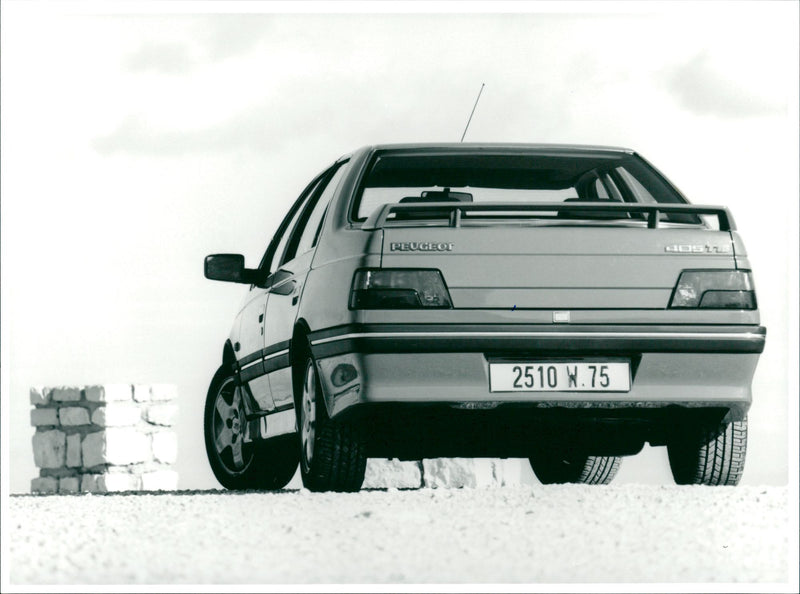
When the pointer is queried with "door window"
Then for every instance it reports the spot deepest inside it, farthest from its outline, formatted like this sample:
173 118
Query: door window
281 247
278 244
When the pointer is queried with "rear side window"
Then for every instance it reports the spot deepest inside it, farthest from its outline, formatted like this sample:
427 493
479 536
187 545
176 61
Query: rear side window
638 190
642 194
313 224
300 228
284 240
525 178
277 247
601 191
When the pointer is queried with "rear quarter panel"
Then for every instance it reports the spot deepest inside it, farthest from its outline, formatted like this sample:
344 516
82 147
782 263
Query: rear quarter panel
341 250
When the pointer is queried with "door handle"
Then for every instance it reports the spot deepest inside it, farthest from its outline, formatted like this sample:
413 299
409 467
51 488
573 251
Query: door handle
284 288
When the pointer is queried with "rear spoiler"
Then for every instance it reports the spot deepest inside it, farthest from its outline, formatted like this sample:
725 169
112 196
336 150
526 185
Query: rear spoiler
455 210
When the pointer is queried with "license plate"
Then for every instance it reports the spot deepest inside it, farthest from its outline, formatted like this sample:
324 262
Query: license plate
563 376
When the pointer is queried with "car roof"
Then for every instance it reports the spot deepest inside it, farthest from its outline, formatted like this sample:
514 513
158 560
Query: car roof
494 146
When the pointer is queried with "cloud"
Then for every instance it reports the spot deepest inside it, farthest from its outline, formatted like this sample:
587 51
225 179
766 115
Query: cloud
167 58
137 136
261 127
703 87
227 36
207 40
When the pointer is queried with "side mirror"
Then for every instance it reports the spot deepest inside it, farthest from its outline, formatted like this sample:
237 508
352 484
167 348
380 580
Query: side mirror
228 267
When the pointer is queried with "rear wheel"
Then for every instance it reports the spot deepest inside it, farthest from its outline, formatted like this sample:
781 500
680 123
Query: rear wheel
552 467
238 464
332 454
709 455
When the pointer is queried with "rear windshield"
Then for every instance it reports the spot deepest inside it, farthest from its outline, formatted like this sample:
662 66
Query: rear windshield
602 177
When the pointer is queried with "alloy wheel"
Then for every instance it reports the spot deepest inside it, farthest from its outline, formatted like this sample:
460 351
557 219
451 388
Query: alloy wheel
308 414
229 426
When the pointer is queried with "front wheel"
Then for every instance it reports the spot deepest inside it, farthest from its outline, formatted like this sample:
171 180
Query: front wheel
709 455
332 455
554 467
236 463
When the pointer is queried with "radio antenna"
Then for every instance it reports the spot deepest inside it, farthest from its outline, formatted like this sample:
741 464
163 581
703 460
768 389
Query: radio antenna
473 111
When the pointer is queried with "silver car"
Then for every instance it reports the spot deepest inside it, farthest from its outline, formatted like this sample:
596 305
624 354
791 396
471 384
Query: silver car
564 304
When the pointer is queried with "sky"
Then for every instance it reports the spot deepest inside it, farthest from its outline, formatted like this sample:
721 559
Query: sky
139 137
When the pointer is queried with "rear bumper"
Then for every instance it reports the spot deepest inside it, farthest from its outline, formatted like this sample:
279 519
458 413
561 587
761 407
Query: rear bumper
530 339
686 366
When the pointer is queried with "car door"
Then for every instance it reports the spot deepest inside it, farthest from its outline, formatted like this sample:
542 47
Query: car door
248 344
253 358
287 284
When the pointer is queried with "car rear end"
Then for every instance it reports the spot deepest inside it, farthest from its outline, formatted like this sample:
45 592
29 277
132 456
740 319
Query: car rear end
530 295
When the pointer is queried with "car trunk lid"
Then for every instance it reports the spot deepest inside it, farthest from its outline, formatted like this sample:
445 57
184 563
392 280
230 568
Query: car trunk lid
593 265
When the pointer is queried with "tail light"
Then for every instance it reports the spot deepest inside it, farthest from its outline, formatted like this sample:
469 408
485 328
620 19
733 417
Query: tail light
714 289
396 288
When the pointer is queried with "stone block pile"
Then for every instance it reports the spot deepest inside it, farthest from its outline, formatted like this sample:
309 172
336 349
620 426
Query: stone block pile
443 473
111 437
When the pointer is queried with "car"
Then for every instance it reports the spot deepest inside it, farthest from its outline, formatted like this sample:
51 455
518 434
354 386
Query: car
564 304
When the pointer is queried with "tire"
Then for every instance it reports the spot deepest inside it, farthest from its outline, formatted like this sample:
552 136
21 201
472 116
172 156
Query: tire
238 465
709 456
552 467
332 454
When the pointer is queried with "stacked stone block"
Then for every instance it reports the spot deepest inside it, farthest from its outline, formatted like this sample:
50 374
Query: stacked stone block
443 473
111 437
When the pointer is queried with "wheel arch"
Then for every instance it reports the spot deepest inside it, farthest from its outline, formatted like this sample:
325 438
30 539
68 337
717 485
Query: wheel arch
299 349
228 354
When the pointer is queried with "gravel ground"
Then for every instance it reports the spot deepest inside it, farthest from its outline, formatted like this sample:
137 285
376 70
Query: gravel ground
536 534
